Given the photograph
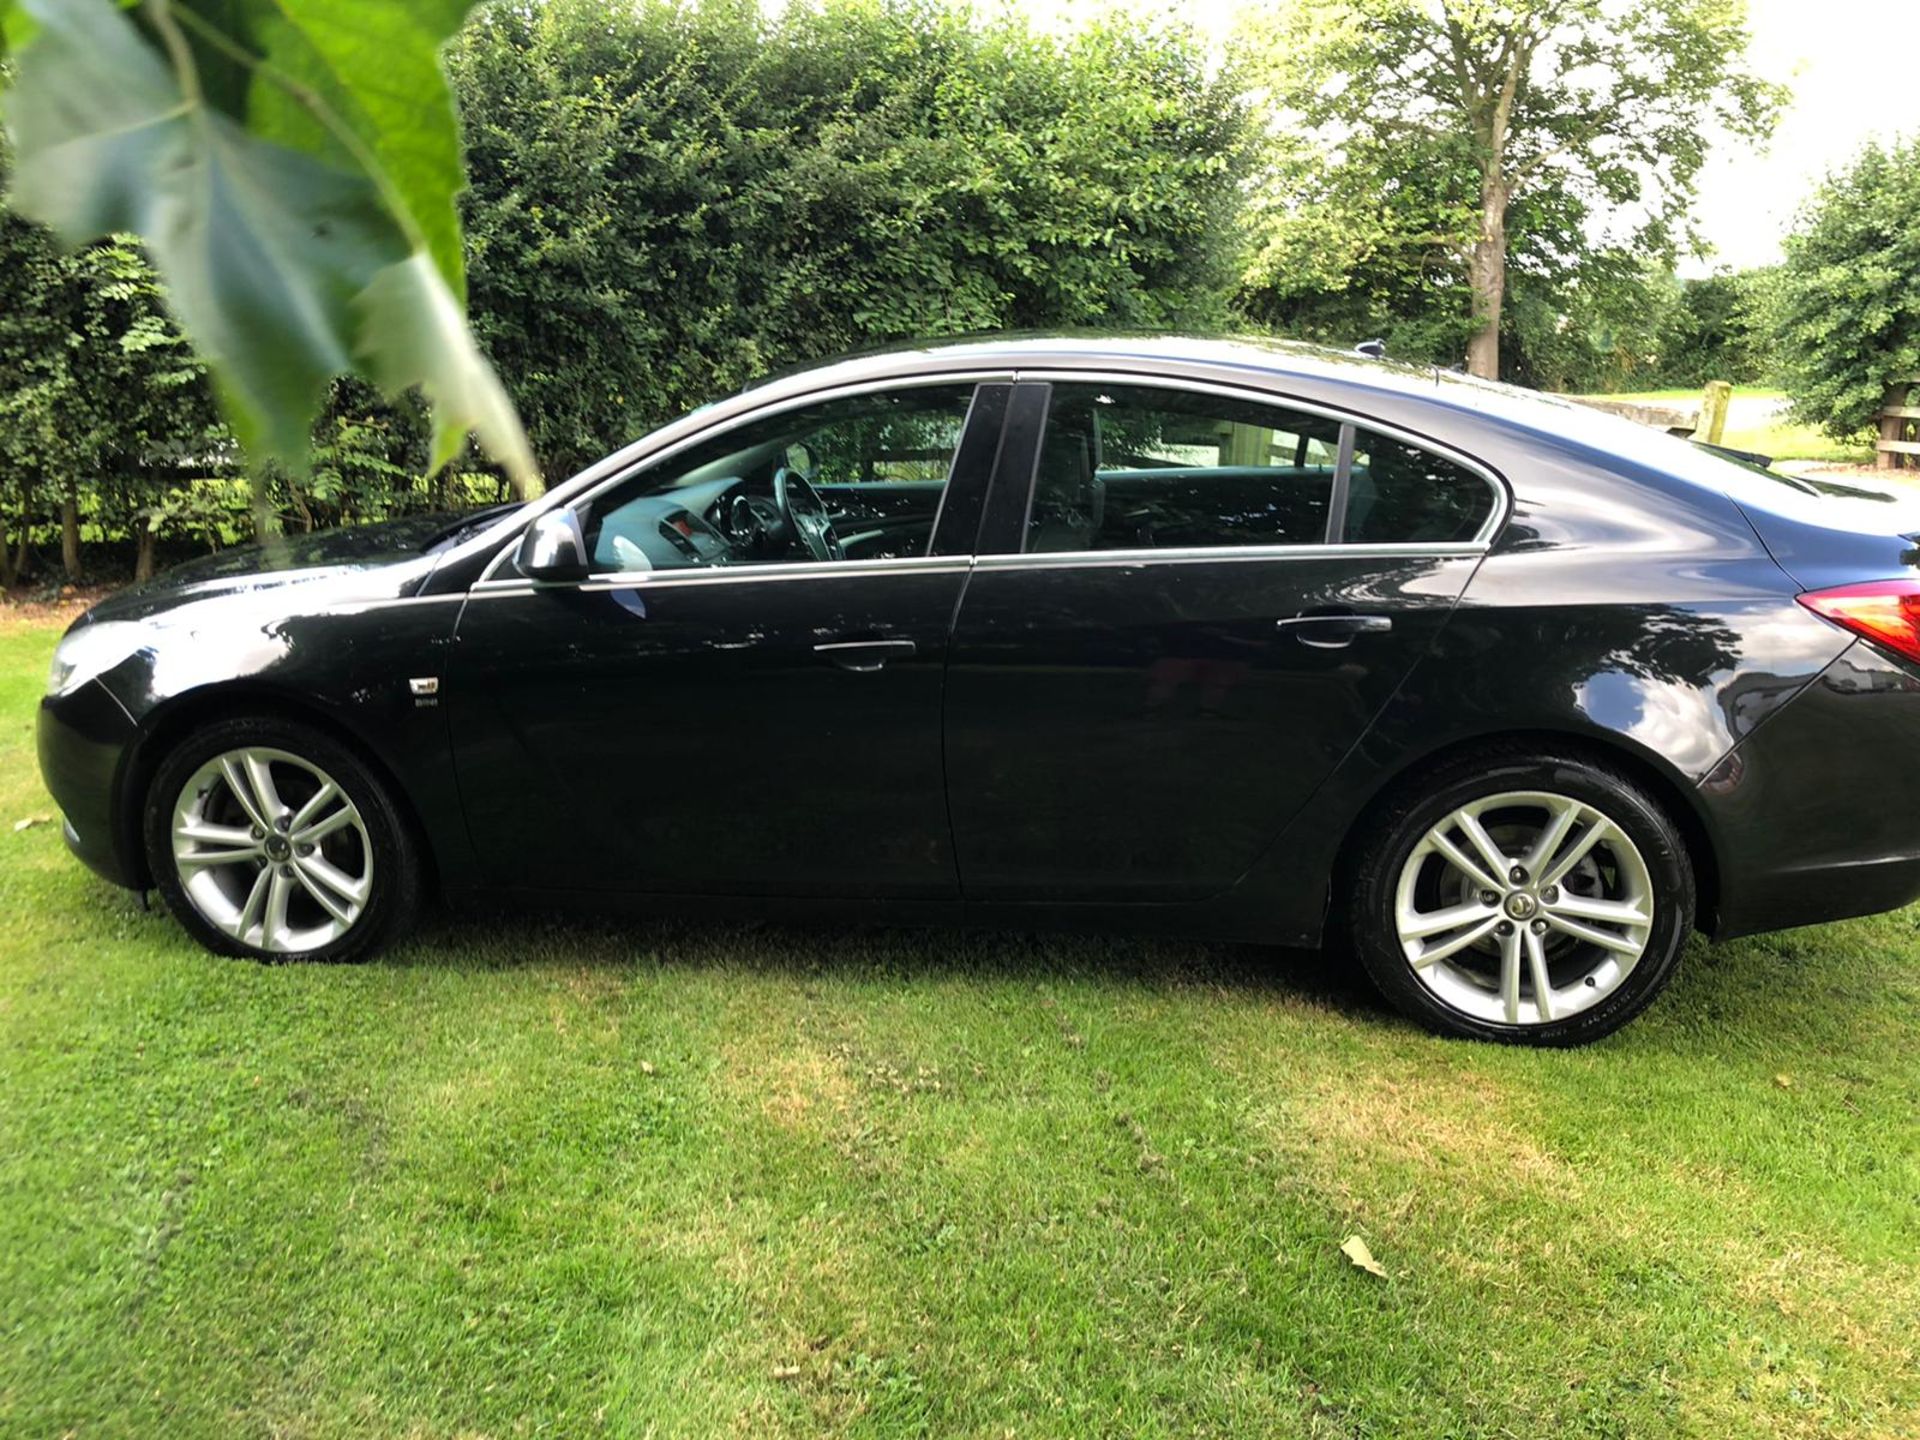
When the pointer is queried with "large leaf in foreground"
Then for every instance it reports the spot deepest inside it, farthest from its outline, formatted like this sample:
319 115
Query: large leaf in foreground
283 268
371 69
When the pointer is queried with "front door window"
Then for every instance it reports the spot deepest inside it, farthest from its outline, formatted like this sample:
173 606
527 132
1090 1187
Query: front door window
854 478
1129 467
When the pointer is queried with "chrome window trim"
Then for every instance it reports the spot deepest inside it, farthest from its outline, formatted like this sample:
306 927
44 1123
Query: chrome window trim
1260 395
958 564
491 583
1223 554
724 574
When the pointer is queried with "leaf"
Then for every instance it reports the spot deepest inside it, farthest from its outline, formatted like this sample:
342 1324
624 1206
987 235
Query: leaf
285 263
414 334
1355 1249
16 27
1785 1082
376 71
30 821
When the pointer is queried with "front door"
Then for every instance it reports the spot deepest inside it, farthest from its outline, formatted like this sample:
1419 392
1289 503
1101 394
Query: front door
1212 598
738 701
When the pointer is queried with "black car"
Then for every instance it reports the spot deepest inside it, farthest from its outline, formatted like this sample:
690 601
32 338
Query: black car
1227 639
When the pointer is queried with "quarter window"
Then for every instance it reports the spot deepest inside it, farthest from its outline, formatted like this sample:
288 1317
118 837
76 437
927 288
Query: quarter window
1400 494
1145 467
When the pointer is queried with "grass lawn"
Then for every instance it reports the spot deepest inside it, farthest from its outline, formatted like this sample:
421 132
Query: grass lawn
1686 397
529 1178
1784 440
1766 434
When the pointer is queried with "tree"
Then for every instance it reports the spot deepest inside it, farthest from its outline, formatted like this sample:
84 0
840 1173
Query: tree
108 420
98 390
1338 255
670 199
292 167
147 404
1717 328
1846 306
99 394
33 379
1469 136
1598 330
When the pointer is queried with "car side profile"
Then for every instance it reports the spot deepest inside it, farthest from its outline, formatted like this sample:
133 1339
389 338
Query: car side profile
1220 638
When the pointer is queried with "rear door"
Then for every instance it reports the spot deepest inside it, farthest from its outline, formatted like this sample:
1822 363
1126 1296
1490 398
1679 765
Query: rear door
1189 605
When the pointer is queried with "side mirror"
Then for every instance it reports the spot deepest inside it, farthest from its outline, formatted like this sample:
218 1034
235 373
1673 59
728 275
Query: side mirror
554 548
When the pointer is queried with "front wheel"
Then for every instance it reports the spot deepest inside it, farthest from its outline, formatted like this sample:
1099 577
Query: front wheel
268 838
1528 898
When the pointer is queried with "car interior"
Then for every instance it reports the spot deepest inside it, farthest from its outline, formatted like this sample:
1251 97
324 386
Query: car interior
1121 468
856 479
1128 469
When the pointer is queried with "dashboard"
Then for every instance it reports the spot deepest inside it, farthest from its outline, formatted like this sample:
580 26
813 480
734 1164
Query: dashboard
715 522
734 519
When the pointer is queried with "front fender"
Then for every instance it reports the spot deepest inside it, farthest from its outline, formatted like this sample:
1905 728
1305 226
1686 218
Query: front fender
349 669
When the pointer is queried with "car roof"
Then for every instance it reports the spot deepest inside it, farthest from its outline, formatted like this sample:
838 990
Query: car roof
1259 359
1052 350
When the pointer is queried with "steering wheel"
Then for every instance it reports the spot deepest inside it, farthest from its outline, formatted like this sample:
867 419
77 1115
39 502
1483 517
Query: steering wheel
805 514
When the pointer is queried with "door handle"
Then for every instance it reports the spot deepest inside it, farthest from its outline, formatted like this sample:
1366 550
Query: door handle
1334 631
864 655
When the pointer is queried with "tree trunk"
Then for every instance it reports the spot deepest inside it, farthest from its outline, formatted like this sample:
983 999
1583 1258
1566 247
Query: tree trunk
21 555
70 535
143 553
1488 275
7 577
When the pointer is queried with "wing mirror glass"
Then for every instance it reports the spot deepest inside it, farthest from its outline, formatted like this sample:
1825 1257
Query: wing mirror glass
554 548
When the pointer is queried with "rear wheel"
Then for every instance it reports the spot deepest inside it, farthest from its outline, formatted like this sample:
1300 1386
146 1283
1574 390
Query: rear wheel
1530 898
268 838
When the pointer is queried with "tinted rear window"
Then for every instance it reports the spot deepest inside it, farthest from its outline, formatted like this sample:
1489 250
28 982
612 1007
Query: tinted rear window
1141 467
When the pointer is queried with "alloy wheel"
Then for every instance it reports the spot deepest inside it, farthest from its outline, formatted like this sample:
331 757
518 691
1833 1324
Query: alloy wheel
1524 908
271 851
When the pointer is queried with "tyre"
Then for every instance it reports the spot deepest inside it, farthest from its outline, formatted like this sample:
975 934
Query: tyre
268 838
1525 897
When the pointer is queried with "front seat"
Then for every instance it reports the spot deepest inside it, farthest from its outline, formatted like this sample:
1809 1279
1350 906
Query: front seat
1068 498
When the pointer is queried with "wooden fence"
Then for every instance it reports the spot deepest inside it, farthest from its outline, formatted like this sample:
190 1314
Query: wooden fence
1898 447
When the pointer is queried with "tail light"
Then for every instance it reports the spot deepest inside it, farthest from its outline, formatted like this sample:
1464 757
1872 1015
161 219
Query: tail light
1886 612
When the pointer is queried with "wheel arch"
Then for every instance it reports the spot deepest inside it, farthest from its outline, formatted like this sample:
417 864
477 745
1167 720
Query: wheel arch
170 722
1673 796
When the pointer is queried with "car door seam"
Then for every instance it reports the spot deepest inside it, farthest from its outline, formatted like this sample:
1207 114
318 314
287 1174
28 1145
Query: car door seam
946 671
1360 735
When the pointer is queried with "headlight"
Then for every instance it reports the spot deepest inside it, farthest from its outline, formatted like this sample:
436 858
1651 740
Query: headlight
92 650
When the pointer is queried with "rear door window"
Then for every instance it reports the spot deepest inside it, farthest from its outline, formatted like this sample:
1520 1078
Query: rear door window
1140 468
1133 467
